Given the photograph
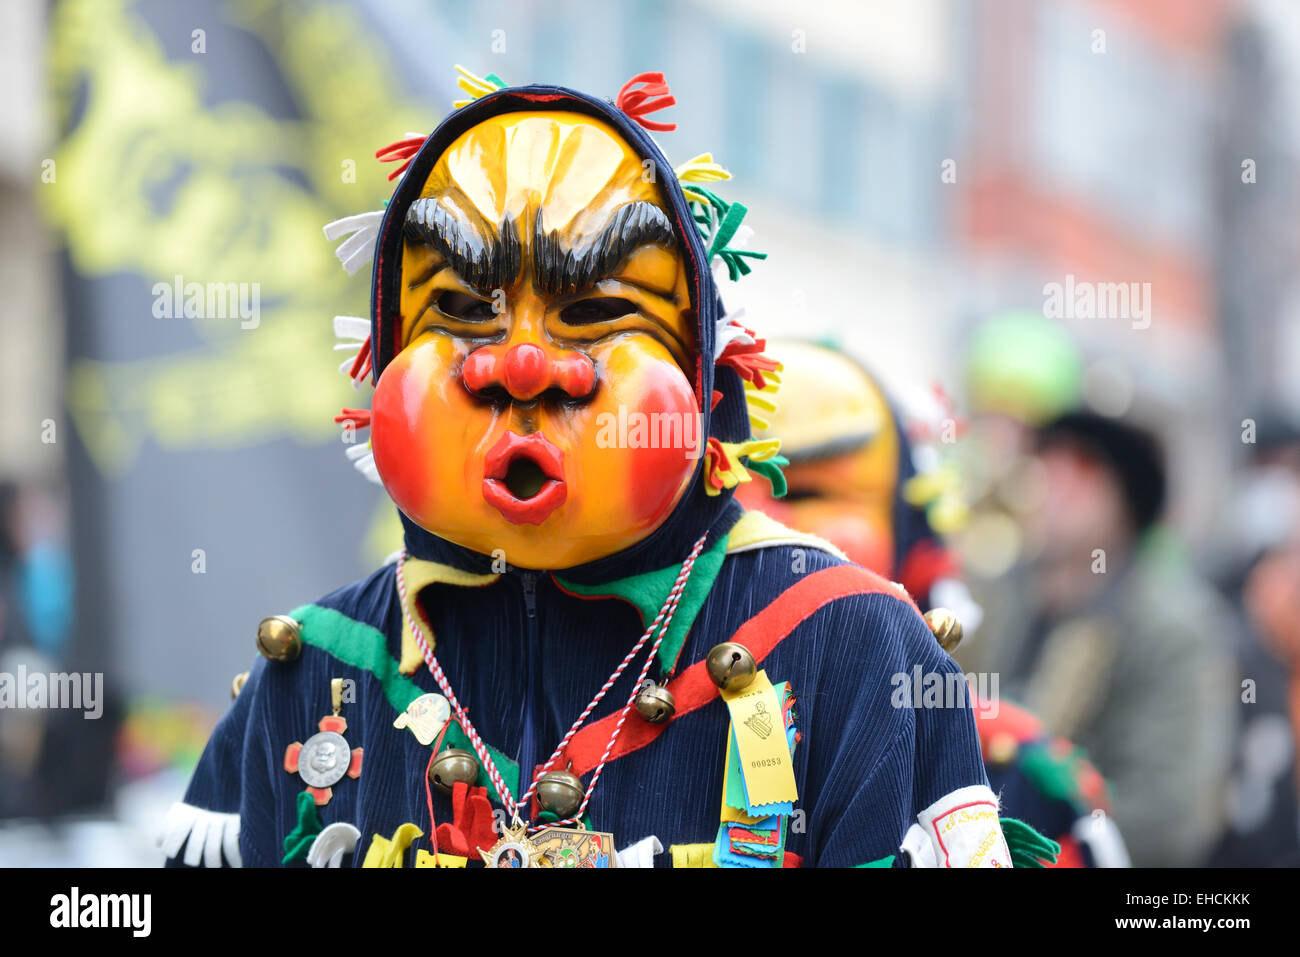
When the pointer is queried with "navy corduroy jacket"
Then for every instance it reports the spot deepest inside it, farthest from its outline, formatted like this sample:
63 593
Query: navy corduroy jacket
524 657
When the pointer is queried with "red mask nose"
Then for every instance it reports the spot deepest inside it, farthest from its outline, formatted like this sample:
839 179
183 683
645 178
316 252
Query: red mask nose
527 375
526 371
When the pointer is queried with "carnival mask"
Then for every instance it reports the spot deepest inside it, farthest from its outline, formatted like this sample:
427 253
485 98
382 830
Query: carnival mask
838 431
540 408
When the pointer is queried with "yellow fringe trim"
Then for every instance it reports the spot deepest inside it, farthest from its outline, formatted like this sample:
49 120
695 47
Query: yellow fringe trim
700 169
692 855
759 450
475 86
761 404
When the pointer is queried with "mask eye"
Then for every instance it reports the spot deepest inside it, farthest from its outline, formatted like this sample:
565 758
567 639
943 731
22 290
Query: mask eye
587 311
460 305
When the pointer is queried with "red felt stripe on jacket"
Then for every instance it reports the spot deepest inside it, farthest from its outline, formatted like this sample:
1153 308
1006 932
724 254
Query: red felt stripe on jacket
761 634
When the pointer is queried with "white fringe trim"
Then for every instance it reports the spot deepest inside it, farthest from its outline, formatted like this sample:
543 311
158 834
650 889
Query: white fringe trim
351 327
353 331
365 464
206 836
362 231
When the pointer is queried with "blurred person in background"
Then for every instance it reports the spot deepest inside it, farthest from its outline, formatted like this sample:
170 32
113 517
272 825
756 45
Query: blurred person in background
1113 639
850 461
35 624
853 479
1264 580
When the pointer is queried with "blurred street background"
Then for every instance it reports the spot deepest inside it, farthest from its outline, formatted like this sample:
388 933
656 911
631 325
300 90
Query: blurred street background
952 191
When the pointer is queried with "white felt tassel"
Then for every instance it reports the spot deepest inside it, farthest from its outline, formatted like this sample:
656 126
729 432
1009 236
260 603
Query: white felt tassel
353 331
210 835
352 327
365 464
362 231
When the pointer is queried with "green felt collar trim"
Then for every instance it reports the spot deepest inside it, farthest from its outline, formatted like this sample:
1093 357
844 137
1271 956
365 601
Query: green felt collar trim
362 646
648 591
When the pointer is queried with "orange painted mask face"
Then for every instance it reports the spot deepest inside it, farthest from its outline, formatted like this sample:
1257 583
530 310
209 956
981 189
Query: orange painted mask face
541 408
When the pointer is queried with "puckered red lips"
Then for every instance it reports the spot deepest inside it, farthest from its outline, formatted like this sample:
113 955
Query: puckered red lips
523 478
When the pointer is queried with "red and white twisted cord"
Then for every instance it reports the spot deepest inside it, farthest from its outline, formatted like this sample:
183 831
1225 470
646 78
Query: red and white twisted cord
664 617
671 608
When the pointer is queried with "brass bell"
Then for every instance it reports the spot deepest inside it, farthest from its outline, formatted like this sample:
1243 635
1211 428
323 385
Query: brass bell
452 766
731 666
560 792
237 685
655 703
946 628
279 638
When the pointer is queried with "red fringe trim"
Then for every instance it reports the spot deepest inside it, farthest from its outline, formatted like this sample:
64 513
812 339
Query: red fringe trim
401 150
359 416
362 363
637 103
716 455
748 360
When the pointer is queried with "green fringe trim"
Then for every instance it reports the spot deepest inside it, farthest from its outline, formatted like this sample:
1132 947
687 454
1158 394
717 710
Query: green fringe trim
1028 847
728 217
771 470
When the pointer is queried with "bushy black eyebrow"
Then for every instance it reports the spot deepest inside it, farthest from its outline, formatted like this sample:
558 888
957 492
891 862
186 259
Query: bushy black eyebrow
558 269
484 261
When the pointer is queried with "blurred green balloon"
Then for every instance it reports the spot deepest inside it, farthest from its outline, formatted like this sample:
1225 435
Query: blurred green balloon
1024 365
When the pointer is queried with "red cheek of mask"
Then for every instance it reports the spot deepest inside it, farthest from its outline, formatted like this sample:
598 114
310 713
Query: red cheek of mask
655 476
400 431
